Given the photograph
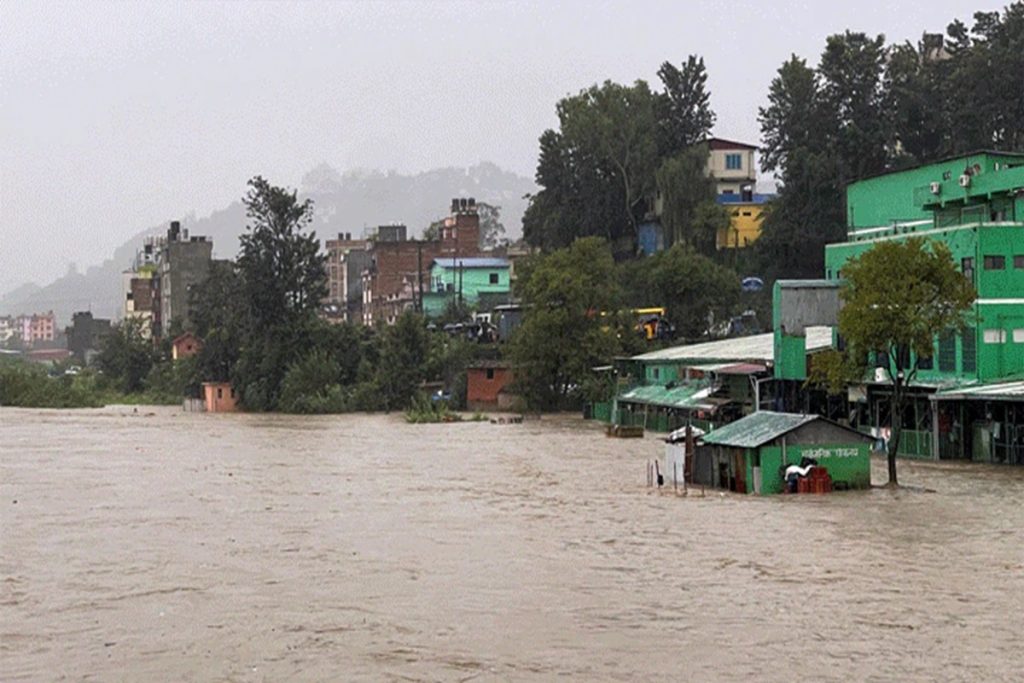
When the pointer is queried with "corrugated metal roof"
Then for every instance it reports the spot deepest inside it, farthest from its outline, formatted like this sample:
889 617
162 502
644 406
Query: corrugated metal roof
472 262
679 396
752 349
1009 391
757 429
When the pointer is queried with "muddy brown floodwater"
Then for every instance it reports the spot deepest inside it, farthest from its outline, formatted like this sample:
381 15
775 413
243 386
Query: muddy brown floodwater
184 547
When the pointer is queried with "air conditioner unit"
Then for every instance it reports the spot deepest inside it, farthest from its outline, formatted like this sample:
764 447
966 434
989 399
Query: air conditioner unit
936 188
881 375
965 180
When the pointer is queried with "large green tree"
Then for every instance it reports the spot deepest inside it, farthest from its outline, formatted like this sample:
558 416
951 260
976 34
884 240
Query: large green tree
898 297
685 117
597 172
126 356
569 326
282 280
689 213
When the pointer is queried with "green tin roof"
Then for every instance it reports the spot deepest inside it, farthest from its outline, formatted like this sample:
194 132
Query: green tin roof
764 426
679 396
757 429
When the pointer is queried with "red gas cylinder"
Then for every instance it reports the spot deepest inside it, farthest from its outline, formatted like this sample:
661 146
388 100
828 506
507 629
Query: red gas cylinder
803 485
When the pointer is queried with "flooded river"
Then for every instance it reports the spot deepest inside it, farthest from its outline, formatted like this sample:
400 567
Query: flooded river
190 547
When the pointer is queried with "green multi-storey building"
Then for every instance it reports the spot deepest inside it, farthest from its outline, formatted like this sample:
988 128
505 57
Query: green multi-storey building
970 395
476 282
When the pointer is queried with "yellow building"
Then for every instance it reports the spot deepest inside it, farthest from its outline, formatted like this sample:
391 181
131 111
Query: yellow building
745 220
733 166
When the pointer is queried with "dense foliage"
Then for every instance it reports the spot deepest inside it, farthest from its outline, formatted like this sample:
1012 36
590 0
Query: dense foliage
599 171
869 108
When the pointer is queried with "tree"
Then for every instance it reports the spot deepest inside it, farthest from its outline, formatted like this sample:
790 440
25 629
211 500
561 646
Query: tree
126 355
218 313
404 352
685 117
283 273
568 327
282 280
597 171
492 230
686 191
897 298
853 104
694 290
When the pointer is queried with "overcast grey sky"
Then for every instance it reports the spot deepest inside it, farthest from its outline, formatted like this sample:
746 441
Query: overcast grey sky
116 117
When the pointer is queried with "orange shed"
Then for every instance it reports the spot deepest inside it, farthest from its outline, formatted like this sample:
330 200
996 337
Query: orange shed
219 397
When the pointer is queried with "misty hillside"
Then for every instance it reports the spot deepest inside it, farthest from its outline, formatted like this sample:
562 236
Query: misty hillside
347 202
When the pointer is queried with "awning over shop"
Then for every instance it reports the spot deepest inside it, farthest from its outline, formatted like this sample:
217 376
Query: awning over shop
688 396
994 391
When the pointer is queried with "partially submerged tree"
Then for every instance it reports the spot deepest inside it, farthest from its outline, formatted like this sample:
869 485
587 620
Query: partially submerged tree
126 355
897 298
564 334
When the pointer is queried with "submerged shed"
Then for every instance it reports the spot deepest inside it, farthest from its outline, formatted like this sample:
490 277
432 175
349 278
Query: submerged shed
750 455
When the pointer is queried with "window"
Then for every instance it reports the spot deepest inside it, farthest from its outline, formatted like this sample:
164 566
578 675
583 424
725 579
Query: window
1018 336
494 278
967 267
220 393
969 350
733 162
947 351
1018 261
995 263
994 336
490 373
655 373
925 363
747 213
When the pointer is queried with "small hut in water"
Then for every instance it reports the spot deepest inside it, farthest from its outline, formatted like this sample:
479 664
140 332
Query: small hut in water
751 455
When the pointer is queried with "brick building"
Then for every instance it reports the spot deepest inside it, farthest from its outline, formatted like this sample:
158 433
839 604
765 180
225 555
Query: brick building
398 272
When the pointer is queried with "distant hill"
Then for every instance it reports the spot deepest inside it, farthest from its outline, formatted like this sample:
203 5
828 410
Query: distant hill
349 202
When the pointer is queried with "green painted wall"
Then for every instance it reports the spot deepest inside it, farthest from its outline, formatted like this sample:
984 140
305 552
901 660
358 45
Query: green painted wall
850 463
905 195
475 281
1000 294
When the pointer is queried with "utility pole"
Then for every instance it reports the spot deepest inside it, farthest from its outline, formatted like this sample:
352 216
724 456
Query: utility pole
419 276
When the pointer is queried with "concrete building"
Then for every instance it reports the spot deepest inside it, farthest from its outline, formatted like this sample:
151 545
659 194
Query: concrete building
181 263
470 281
36 329
138 286
8 330
85 335
732 166
347 258
968 400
